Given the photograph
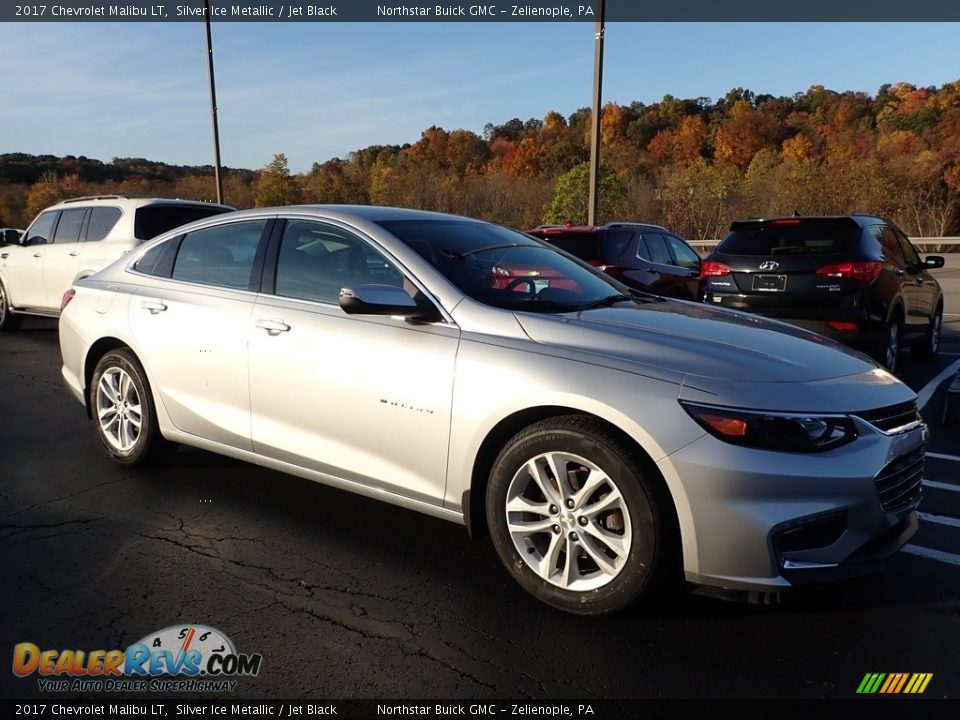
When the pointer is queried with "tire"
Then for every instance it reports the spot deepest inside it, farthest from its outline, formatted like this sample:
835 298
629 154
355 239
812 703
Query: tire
123 410
8 321
888 348
929 348
611 549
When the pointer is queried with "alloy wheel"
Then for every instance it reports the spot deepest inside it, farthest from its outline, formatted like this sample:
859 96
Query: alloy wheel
119 411
568 521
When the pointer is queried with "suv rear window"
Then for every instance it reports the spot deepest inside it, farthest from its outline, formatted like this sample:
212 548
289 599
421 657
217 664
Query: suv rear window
790 237
604 245
153 220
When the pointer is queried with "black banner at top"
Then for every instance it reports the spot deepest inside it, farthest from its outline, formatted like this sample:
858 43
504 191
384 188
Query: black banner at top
859 11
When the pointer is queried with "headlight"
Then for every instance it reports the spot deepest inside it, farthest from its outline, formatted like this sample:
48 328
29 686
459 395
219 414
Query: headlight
774 431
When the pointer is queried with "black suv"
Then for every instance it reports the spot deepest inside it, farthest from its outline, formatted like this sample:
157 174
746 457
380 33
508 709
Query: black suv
856 278
645 257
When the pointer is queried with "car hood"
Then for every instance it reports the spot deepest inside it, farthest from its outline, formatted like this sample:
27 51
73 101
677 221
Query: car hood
699 340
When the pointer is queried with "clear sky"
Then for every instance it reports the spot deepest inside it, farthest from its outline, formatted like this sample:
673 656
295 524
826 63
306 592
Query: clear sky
316 91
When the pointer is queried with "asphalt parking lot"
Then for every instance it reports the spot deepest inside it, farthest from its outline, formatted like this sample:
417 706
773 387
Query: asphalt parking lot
349 598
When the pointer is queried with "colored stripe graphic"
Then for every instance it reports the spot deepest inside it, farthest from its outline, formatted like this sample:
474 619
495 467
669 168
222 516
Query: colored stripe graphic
894 683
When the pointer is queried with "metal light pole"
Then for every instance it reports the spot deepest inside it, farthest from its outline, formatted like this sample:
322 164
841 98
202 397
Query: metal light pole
594 199
213 102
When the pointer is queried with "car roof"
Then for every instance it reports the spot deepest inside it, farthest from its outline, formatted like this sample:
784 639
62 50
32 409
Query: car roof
371 213
125 201
585 229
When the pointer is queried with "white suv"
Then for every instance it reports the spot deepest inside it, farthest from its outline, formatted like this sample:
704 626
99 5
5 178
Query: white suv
76 238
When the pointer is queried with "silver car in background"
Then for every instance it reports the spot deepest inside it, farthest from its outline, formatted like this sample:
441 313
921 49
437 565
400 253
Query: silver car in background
608 440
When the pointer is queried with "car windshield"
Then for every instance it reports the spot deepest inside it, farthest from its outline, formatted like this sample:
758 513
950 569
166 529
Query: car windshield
505 268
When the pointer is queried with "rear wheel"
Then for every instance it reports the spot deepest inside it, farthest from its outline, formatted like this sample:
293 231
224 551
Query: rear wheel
123 410
931 344
8 321
889 349
576 517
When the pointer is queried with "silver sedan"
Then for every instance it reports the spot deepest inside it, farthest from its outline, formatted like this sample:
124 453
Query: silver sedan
608 441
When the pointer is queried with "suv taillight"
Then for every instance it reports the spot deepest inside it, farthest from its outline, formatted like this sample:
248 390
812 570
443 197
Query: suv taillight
864 272
67 297
709 268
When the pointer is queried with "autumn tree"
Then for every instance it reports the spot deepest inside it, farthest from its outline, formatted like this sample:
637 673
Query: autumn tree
275 185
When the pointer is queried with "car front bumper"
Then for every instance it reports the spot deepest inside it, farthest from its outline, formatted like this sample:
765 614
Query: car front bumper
760 520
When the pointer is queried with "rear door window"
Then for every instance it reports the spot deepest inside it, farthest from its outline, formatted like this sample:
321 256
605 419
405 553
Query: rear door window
909 252
656 248
222 255
68 229
892 251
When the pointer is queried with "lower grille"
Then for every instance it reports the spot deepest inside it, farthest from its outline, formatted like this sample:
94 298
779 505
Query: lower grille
899 483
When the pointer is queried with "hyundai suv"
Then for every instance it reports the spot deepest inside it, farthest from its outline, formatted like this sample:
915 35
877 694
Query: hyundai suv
856 278
76 238
642 256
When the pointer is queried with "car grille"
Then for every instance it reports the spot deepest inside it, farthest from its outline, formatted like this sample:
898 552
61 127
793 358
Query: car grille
899 483
892 417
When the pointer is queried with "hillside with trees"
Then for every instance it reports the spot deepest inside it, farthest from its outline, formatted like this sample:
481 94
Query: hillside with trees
693 165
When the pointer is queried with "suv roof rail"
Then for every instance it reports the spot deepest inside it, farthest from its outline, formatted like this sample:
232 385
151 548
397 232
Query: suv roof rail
620 223
95 197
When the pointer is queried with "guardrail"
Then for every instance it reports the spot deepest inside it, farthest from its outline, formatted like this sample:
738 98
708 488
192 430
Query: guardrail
923 244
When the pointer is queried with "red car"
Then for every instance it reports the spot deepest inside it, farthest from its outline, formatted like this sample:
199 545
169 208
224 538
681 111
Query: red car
642 256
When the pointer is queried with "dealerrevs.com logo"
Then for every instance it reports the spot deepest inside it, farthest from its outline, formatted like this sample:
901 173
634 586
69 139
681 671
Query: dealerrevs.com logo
184 658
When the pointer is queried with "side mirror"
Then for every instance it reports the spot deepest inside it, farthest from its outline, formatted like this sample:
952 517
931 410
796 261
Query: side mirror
9 236
384 300
931 262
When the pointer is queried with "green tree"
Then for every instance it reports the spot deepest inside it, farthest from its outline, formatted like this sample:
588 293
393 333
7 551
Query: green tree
275 185
571 197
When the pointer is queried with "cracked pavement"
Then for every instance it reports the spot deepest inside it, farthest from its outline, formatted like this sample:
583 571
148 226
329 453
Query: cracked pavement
349 598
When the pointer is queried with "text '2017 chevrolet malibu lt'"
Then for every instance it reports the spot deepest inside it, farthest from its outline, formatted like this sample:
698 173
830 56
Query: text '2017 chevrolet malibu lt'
606 439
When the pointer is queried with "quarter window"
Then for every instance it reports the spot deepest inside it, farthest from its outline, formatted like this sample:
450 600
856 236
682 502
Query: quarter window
68 229
221 255
317 260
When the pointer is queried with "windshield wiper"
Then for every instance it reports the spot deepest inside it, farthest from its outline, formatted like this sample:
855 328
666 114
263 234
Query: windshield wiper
606 302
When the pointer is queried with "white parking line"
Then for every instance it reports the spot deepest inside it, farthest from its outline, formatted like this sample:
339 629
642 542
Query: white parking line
941 456
939 519
923 397
932 554
941 486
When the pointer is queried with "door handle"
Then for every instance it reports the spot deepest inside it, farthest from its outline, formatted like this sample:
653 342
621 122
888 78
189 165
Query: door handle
273 327
38 254
154 306
74 254
4 256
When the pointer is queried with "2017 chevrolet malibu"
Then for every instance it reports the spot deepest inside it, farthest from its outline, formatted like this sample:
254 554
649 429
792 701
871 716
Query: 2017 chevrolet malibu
606 439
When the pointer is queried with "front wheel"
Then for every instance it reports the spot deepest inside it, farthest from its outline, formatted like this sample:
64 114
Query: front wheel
123 410
576 517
